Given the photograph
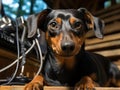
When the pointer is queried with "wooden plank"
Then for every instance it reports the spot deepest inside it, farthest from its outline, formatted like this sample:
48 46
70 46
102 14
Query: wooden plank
4 53
113 27
58 88
109 28
11 87
109 53
14 87
106 38
112 18
71 88
106 88
108 14
104 11
103 45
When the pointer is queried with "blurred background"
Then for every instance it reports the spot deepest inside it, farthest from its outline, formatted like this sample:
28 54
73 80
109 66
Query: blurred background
16 8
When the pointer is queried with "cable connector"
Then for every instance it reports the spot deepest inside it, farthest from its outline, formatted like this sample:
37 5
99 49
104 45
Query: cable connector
20 21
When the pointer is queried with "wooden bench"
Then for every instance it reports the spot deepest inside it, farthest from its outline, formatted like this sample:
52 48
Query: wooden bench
52 88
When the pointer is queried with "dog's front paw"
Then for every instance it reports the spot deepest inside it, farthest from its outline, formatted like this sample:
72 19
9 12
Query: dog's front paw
86 83
33 86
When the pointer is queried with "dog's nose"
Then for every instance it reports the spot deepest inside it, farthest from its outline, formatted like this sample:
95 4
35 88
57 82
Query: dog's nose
68 46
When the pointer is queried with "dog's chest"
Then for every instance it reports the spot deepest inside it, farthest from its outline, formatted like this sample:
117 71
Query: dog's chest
67 63
66 71
62 74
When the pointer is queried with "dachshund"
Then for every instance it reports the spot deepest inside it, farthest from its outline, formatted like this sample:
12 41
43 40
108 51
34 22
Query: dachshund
67 63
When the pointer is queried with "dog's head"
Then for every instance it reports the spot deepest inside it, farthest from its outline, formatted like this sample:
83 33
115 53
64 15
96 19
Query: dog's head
65 30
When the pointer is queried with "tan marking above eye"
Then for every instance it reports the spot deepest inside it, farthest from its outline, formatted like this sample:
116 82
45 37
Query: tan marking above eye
72 20
58 20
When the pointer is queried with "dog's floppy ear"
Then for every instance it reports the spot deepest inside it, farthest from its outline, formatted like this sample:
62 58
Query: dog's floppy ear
31 25
42 18
98 27
35 24
36 21
92 23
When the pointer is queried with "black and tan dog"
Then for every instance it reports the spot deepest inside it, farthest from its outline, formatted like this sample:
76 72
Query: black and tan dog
67 63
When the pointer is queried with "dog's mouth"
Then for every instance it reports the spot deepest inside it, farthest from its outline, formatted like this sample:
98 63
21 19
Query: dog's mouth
66 54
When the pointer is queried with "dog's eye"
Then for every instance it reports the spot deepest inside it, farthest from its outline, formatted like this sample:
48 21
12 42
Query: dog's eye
77 25
53 25
53 28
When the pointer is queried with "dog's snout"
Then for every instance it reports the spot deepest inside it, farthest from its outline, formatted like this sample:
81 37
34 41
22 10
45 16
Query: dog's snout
68 46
